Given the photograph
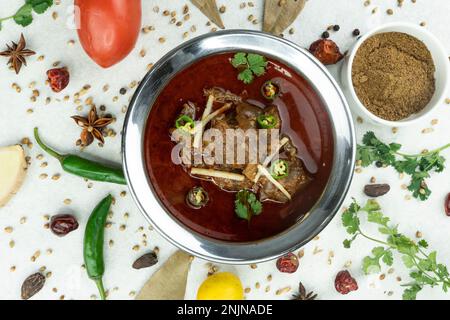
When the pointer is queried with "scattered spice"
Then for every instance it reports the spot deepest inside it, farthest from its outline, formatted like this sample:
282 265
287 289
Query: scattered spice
58 78
393 75
145 261
326 51
17 53
303 295
288 263
345 283
376 190
447 205
32 285
93 126
63 224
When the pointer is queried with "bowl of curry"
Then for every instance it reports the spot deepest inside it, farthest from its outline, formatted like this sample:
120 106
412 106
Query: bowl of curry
238 147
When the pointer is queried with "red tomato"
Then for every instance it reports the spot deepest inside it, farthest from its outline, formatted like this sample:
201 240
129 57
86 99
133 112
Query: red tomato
108 29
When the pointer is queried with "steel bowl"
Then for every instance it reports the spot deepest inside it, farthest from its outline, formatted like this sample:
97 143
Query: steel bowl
296 58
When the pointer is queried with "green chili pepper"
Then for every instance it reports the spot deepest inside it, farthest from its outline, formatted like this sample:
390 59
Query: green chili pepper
267 121
82 167
270 90
279 169
93 243
185 123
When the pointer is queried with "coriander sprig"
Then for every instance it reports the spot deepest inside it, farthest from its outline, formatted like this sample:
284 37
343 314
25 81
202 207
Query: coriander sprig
247 205
249 65
24 16
424 269
418 166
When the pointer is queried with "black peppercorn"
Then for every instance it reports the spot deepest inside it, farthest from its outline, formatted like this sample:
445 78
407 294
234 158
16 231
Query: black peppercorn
356 32
123 91
336 27
379 164
325 35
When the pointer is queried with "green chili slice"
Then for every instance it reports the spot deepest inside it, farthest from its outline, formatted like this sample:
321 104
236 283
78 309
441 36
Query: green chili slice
279 169
267 121
270 90
197 197
185 123
83 167
94 236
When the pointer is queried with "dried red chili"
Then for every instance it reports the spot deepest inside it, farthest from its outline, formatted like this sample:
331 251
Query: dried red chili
59 78
288 263
345 283
447 205
326 51
62 224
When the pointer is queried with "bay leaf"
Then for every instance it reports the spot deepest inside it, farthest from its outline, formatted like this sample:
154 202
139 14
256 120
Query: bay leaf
210 10
169 282
280 14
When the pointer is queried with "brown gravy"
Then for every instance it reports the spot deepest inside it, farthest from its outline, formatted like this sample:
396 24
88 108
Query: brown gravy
305 121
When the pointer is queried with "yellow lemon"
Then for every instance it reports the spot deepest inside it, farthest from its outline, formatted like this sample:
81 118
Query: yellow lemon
221 286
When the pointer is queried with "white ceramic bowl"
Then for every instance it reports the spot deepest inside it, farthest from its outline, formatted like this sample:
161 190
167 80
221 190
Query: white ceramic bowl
442 74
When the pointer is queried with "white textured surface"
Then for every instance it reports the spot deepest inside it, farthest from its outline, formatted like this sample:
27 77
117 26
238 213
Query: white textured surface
38 198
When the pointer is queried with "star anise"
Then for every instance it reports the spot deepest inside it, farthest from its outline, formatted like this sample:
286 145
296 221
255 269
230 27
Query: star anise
302 295
92 127
17 54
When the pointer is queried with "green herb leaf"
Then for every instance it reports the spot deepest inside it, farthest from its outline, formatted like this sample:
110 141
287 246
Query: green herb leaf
246 76
239 59
388 258
247 205
350 218
423 244
249 65
408 261
418 167
371 265
425 270
23 16
40 6
411 292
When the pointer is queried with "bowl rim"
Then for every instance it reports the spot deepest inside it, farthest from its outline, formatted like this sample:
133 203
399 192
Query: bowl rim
384 28
141 187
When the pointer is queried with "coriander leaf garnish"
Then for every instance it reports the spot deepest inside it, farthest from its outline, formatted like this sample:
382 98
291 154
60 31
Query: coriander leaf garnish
249 65
424 269
247 205
418 166
24 15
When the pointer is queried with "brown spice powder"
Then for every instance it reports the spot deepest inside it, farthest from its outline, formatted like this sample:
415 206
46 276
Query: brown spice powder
393 75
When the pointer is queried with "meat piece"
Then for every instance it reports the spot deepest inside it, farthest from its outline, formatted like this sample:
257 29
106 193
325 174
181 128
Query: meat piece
232 185
250 171
246 115
326 51
189 109
273 111
296 180
222 96
290 150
